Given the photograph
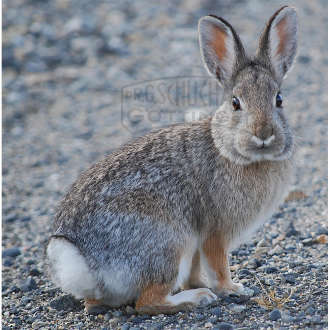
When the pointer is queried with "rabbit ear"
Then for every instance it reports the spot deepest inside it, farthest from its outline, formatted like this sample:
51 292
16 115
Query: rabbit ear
278 42
221 48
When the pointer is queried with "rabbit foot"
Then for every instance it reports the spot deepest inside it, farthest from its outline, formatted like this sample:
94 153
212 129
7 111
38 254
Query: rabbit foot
156 299
202 296
232 287
95 307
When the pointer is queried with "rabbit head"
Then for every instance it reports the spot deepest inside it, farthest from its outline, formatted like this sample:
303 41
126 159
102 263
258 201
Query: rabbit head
250 125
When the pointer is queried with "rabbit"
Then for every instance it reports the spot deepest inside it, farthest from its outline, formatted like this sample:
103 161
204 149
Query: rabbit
154 222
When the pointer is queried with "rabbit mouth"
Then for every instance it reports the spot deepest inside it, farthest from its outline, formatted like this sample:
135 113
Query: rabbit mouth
274 153
277 147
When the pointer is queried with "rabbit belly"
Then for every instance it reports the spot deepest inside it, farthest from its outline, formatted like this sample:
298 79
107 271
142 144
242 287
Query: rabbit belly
69 270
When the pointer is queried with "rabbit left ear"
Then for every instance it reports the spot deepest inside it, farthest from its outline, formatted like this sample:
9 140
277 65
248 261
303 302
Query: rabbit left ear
221 48
278 42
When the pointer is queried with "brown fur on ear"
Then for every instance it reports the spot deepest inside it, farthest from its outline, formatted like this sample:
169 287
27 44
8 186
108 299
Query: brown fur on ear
278 42
282 35
264 39
221 48
219 42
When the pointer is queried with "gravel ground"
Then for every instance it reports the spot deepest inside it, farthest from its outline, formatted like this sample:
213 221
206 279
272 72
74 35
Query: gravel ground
65 63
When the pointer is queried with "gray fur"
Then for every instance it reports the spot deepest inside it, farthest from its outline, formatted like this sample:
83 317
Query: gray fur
135 211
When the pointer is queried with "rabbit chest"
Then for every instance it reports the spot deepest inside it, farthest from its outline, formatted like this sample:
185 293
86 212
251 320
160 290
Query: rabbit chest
247 196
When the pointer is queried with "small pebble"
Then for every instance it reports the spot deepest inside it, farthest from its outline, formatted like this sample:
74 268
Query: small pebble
117 313
248 291
291 230
255 263
290 278
130 310
8 262
125 327
256 290
262 243
237 308
29 284
11 252
275 315
224 326
310 310
66 303
286 317
216 311
35 272
243 273
271 270
275 251
25 300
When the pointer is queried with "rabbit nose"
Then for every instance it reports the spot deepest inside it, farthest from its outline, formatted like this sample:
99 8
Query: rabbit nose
263 136
263 132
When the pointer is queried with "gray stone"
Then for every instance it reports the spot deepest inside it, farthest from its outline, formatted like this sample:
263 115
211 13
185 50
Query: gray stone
125 327
275 315
243 273
117 313
35 272
65 303
310 310
11 252
8 262
224 326
29 284
130 310
291 230
237 308
286 317
290 278
216 311
271 270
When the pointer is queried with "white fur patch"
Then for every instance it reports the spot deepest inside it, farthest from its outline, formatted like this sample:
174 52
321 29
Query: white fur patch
259 142
268 141
185 263
195 296
70 271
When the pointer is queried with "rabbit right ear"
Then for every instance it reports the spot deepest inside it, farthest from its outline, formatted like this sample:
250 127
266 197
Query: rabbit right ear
220 46
278 42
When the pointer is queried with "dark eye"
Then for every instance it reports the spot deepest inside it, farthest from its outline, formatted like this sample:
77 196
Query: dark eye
235 103
279 100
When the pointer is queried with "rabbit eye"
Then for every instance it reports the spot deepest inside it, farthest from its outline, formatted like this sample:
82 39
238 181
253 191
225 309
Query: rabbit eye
236 104
279 100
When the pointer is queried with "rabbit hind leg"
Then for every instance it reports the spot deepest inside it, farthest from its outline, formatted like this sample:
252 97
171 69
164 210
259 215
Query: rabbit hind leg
157 299
197 278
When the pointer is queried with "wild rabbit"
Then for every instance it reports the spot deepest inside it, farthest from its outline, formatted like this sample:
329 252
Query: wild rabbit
154 216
